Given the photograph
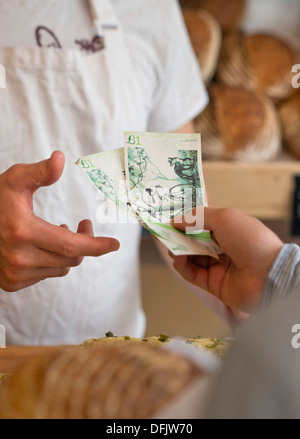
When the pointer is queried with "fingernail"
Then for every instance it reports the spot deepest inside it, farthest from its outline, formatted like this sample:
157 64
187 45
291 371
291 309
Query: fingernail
115 246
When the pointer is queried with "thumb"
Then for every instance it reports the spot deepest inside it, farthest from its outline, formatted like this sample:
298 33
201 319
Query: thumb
31 177
190 221
224 223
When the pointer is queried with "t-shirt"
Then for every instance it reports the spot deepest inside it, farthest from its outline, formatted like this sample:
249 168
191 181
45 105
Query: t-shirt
169 75
68 24
102 294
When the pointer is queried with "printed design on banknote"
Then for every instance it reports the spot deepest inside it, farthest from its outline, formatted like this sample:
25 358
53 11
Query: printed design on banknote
110 188
154 199
106 171
154 178
164 179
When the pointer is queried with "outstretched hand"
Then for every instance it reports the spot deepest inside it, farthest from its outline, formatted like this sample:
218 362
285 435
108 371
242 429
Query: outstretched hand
32 249
239 276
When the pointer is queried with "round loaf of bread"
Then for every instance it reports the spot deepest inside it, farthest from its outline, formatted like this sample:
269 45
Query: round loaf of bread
289 112
239 125
206 38
228 13
108 381
257 62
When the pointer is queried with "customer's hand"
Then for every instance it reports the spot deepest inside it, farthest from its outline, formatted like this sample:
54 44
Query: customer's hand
32 249
239 276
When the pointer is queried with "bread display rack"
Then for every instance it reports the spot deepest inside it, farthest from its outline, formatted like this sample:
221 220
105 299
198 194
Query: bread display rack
255 170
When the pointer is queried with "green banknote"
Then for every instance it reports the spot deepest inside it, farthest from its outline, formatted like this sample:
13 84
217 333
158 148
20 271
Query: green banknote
153 179
106 171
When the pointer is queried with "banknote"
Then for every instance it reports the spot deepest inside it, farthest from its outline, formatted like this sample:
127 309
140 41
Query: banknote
154 178
106 171
165 180
164 174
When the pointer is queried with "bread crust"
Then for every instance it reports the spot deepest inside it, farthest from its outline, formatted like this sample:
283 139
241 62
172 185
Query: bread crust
239 125
289 113
258 62
205 35
228 13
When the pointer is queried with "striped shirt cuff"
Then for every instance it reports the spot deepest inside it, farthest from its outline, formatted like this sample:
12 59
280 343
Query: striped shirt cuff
284 276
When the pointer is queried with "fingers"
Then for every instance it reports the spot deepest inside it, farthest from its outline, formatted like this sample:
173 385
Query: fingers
71 245
26 178
32 249
20 281
29 263
85 227
232 229
196 274
208 217
191 220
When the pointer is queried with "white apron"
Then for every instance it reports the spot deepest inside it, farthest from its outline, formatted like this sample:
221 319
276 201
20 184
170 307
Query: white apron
61 99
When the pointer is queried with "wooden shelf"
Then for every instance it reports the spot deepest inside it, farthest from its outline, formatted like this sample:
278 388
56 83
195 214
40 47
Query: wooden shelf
264 190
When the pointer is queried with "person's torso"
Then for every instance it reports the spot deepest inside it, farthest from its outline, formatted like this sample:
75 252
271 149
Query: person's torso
69 89
60 95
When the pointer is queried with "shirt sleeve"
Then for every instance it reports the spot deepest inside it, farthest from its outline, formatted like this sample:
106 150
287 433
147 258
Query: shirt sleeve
181 94
284 276
260 375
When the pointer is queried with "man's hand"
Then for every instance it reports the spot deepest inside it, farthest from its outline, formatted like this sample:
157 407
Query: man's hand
239 276
30 248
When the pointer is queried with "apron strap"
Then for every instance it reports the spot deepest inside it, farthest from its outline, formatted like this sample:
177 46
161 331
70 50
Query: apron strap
104 17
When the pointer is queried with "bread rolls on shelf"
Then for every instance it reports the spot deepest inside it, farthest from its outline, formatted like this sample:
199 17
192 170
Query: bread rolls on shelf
239 125
206 38
228 13
257 62
114 381
289 112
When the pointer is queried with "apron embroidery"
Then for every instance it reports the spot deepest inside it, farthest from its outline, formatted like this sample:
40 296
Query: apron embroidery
91 46
45 37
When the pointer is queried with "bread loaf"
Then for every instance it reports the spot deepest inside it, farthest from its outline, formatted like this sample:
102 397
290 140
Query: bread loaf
228 13
257 62
111 381
205 35
289 112
239 125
